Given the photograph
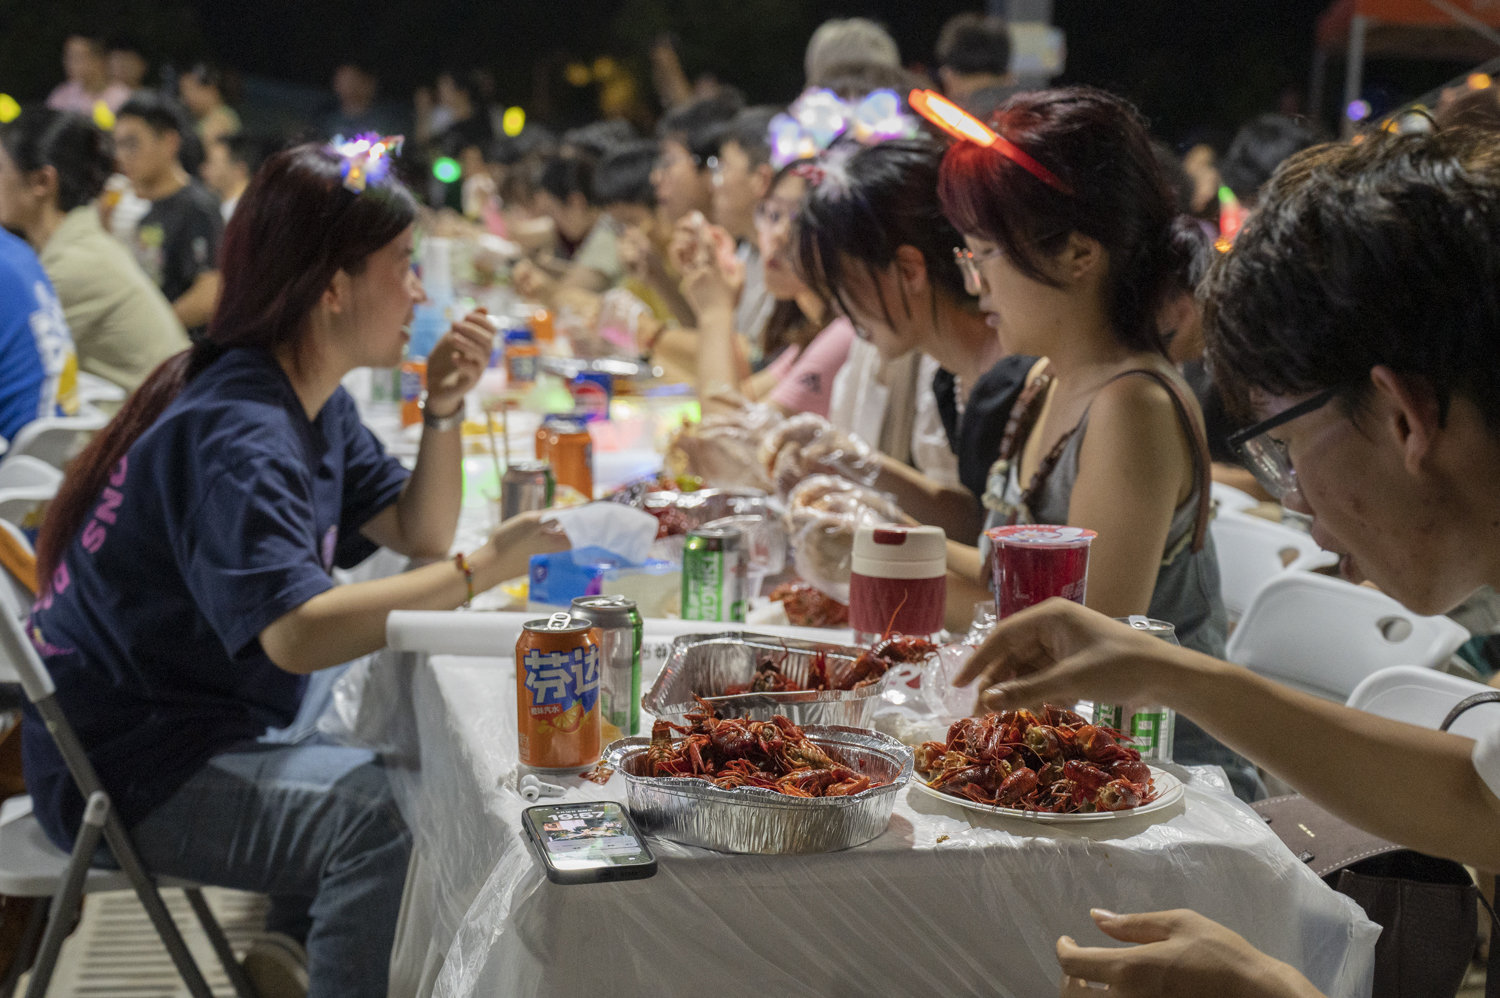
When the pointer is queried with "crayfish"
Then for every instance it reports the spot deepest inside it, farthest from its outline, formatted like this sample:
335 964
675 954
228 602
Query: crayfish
1056 762
735 752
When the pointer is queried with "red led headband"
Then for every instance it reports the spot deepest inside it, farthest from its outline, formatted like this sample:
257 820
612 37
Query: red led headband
962 125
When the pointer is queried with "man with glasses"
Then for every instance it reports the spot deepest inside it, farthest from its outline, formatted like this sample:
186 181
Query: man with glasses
1356 319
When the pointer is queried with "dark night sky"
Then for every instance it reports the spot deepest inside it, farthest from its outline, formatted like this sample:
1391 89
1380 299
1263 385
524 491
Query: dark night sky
1192 65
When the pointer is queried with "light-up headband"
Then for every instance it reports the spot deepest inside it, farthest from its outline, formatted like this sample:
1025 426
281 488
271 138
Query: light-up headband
819 117
365 159
964 126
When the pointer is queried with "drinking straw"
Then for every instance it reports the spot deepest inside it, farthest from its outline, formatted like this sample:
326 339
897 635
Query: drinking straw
489 420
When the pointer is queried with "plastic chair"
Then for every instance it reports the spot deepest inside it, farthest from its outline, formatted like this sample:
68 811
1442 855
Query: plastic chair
1253 551
30 866
55 439
26 483
92 388
1231 499
1325 635
1424 697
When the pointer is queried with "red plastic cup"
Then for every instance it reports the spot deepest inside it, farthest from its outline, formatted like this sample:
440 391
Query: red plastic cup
1034 562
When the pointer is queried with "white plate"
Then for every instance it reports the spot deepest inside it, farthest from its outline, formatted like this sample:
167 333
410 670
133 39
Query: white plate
1169 792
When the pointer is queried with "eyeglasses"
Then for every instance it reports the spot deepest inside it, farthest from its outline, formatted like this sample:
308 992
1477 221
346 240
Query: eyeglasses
968 263
772 214
1266 457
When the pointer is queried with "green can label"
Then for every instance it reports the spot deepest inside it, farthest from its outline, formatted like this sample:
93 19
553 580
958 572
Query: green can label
1149 731
709 590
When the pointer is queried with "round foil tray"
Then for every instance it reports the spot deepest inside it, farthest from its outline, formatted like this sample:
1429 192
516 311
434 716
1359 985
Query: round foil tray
754 820
706 663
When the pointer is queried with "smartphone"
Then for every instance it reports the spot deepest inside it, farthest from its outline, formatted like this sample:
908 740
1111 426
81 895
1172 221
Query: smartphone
587 843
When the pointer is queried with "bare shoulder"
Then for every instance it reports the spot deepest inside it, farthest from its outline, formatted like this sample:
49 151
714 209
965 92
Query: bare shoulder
1135 401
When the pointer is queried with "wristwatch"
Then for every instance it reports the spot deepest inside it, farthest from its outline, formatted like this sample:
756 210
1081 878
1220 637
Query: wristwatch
440 423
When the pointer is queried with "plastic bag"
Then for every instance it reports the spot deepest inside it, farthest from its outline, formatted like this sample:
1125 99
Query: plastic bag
822 515
807 444
619 529
722 449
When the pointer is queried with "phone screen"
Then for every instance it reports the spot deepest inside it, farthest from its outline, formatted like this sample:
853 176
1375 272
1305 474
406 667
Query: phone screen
584 837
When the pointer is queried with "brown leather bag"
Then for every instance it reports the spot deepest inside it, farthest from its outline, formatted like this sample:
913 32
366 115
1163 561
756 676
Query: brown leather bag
1426 907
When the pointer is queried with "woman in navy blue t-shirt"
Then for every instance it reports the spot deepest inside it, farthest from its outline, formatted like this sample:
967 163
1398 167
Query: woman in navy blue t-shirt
188 563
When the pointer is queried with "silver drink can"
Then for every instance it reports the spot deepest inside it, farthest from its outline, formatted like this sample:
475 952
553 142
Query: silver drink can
621 631
526 486
713 575
1151 728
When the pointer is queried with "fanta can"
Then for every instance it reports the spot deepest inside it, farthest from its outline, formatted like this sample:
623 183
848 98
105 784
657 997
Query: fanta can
413 381
557 694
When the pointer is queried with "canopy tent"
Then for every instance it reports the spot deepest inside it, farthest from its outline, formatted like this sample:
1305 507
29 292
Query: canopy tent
1456 30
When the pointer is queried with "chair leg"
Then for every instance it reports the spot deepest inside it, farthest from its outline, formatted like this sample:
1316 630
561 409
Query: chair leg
65 902
145 889
215 933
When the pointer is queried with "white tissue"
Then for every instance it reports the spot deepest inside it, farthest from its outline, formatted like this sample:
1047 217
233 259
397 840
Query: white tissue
623 530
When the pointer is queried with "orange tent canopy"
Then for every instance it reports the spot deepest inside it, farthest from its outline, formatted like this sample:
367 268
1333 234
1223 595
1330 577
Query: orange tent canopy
1411 28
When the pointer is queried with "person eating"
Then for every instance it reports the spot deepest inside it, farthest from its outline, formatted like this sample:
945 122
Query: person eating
187 566
1355 320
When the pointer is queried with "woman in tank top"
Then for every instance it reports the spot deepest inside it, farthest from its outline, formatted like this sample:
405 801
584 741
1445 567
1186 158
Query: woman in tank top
1067 224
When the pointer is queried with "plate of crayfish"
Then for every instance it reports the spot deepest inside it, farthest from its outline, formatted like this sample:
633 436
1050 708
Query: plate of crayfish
1051 765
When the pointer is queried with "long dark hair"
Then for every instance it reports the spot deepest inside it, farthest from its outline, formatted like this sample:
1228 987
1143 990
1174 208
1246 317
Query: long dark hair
69 143
1098 145
296 226
868 206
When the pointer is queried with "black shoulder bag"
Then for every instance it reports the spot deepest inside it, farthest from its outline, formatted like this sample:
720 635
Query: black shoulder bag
1427 907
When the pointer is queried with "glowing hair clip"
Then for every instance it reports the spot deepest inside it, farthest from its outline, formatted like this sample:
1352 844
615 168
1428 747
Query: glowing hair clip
819 117
365 159
964 126
1232 216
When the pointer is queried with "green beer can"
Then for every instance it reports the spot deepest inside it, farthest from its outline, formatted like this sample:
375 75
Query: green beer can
1149 729
714 575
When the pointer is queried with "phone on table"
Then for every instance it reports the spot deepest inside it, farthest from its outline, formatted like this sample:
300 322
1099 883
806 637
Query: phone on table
587 843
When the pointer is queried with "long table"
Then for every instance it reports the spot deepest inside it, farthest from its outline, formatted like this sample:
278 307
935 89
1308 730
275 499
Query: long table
945 902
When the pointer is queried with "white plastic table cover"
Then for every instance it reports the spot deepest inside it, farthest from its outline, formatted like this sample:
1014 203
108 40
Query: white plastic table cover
946 902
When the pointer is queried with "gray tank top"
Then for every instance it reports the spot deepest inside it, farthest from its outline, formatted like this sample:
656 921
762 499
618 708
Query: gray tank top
1187 583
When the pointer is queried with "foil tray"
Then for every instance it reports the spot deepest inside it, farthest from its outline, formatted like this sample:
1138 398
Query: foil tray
755 820
706 664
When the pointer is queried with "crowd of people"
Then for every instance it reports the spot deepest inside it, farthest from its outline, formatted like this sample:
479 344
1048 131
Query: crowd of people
1014 306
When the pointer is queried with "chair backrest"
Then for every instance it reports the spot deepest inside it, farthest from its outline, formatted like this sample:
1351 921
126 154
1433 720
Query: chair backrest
1231 499
55 439
1253 551
1424 697
1325 635
92 388
16 651
15 597
26 472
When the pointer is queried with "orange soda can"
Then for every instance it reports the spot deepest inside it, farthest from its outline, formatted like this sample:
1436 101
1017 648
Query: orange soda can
542 326
413 380
570 451
557 694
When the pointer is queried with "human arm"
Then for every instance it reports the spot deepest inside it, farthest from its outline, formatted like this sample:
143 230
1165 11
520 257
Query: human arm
422 521
1134 465
346 622
1346 760
195 306
951 507
1179 954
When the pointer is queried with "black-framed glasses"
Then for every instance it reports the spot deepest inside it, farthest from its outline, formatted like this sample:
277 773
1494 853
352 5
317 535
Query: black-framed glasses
1266 457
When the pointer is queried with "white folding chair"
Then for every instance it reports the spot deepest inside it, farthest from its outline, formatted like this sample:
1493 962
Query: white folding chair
25 483
55 439
92 388
1253 551
31 866
1231 499
1324 635
1424 697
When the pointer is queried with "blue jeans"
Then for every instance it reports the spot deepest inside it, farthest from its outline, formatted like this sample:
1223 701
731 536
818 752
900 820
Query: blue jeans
313 826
